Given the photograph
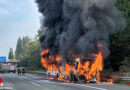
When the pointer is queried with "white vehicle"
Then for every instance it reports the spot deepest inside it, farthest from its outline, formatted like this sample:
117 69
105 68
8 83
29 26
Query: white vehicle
12 68
52 74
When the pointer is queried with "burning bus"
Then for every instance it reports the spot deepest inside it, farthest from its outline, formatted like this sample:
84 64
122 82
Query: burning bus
73 70
75 36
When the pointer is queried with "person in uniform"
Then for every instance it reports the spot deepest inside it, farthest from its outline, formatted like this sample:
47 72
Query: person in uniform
19 71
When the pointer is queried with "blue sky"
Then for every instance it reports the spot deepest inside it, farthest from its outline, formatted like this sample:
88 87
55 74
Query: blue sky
17 18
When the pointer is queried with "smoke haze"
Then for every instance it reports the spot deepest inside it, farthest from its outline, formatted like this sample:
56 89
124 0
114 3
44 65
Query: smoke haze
79 27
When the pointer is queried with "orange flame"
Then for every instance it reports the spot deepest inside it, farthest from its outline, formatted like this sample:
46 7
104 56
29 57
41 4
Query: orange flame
89 69
58 58
43 60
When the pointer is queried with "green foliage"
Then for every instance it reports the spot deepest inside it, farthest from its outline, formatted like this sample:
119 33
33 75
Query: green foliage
30 55
39 32
120 43
124 6
11 55
19 47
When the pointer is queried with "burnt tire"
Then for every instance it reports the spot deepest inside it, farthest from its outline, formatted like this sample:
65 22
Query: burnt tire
82 79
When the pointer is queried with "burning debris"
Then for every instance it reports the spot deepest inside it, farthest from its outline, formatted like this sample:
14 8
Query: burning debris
75 36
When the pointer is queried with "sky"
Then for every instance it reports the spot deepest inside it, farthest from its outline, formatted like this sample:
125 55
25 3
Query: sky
18 18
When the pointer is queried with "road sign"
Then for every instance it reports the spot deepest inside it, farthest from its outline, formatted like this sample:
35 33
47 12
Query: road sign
2 59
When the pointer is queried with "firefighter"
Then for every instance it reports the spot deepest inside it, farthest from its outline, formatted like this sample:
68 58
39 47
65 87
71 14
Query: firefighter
23 71
19 71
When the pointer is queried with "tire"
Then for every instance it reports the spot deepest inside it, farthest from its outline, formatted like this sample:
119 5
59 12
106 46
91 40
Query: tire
82 79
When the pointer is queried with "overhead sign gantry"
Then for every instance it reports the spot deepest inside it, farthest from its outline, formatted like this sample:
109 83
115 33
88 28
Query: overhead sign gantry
3 59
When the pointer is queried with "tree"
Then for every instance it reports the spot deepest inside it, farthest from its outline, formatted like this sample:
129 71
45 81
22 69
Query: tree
25 45
19 48
119 58
11 55
35 54
30 56
39 32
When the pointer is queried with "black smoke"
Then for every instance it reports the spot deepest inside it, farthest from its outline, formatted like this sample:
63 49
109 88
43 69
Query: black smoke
79 27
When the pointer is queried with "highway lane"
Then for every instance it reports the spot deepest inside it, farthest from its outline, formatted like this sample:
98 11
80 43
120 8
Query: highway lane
32 82
14 82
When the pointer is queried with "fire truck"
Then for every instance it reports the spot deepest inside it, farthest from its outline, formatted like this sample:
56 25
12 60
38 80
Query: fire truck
8 67
11 67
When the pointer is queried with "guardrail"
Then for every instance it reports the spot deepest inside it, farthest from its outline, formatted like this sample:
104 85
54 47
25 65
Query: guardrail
125 78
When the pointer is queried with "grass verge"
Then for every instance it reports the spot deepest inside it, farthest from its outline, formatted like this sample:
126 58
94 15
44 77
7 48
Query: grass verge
36 73
121 82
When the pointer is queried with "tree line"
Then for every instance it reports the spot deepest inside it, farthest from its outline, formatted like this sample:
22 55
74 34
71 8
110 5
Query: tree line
119 59
27 52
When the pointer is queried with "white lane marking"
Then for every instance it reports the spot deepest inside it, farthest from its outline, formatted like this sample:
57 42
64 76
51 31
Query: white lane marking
91 87
35 84
76 84
85 86
47 81
21 78
10 88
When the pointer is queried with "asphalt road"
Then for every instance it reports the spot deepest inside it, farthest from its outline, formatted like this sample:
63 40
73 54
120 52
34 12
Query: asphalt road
33 82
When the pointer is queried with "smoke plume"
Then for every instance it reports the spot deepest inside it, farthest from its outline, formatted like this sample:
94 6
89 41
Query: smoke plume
79 27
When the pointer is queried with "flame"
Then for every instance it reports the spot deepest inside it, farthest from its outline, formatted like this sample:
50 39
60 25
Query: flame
46 61
43 60
58 58
60 74
89 69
